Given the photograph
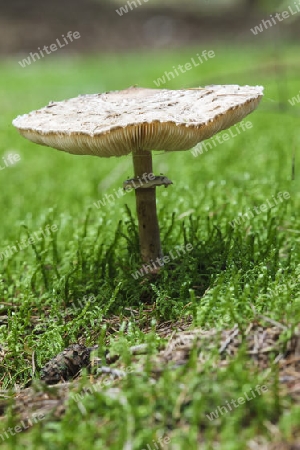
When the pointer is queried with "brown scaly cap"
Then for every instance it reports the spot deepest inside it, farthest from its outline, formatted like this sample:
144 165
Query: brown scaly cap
117 123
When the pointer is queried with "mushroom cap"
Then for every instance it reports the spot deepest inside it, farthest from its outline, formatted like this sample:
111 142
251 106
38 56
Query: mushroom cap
119 122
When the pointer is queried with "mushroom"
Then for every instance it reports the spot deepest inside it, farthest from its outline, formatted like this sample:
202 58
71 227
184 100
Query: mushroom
139 120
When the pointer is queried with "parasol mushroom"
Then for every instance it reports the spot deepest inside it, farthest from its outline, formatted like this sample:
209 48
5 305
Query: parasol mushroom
139 120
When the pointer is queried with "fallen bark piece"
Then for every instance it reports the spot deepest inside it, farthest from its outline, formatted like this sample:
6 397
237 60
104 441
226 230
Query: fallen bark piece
67 364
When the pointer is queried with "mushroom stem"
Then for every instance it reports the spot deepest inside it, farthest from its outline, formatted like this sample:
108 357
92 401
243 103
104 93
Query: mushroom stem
150 245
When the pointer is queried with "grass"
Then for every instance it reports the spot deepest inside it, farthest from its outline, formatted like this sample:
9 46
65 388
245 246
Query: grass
231 272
